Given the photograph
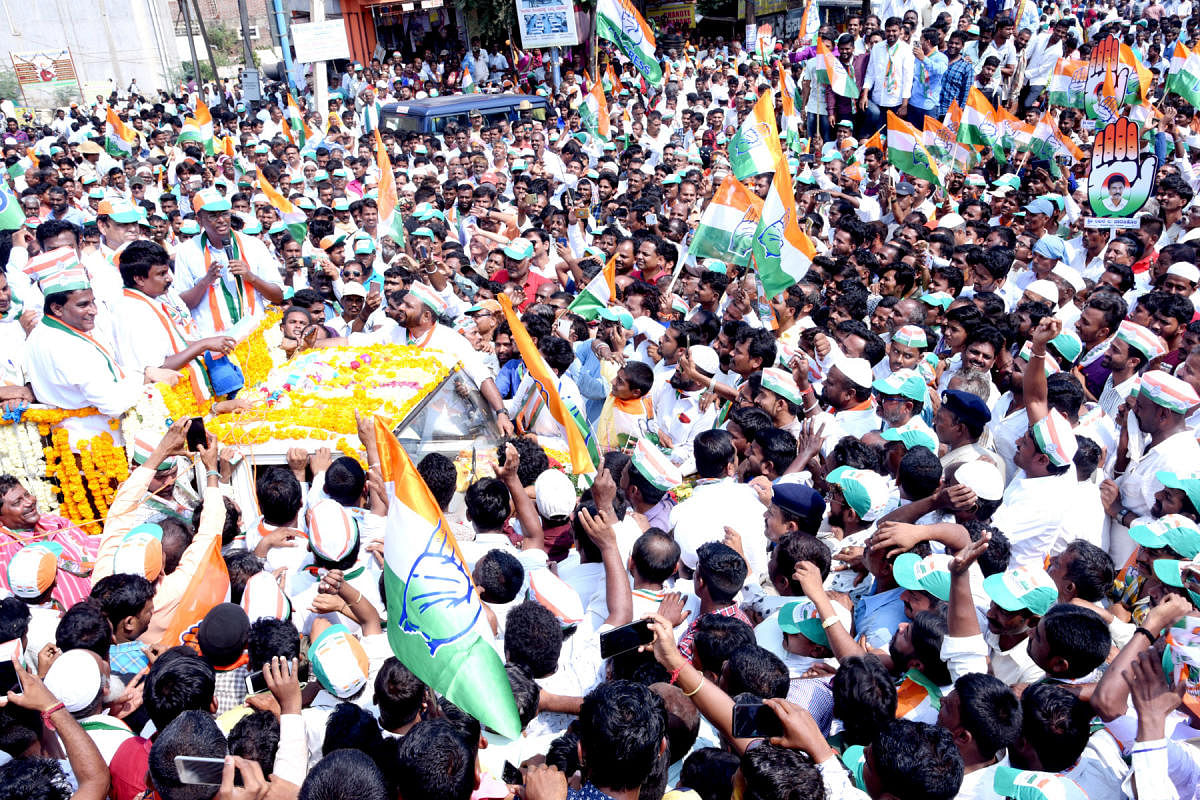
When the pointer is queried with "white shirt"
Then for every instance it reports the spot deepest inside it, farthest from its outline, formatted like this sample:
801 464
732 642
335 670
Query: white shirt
12 354
1031 515
703 517
1040 59
68 372
141 339
190 269
876 81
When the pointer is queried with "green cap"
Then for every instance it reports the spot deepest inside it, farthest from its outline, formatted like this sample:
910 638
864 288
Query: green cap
911 434
1030 785
617 314
519 249
802 618
902 382
1026 588
1174 531
866 492
1189 482
929 574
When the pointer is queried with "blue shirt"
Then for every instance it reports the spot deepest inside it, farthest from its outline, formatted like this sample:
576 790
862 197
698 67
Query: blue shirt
956 86
878 616
587 792
927 80
509 377
585 371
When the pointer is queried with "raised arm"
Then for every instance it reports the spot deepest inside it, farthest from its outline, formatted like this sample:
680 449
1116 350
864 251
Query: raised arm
1037 404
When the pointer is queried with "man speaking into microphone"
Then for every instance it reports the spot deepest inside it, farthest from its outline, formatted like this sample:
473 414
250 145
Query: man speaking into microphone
224 277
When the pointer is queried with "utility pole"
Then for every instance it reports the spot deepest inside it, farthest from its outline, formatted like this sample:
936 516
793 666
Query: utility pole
251 88
212 62
187 22
320 76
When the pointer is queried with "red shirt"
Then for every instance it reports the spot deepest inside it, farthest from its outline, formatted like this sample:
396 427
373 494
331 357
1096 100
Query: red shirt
532 282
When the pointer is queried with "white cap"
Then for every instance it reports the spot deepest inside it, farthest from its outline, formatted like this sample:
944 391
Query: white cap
951 221
1071 276
982 478
353 289
705 358
1184 270
857 370
1044 288
555 496
74 678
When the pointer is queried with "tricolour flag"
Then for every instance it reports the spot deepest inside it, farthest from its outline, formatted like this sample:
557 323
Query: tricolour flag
598 293
1184 79
810 23
833 72
581 442
907 152
594 111
11 215
119 138
1137 89
467 84
790 120
939 139
296 129
782 252
434 613
208 587
203 125
978 123
917 698
620 23
291 216
390 222
755 147
1047 143
728 224
1068 82
1012 131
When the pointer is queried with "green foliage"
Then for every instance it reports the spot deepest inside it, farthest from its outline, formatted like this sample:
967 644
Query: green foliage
9 88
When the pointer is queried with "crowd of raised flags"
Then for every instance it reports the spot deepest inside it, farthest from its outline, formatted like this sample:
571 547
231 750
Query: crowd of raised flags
883 420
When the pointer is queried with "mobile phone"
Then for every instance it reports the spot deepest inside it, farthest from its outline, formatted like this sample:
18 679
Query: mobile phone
823 197
511 775
570 197
199 770
256 683
196 435
422 251
9 682
625 638
308 262
651 218
805 158
752 720
530 198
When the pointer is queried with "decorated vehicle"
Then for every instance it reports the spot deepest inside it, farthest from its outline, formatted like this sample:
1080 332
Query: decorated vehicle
306 401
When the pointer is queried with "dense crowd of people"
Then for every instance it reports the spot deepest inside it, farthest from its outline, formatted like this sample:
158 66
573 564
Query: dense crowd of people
923 524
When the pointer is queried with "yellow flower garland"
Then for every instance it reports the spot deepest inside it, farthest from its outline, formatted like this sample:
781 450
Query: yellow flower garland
253 354
326 413
89 485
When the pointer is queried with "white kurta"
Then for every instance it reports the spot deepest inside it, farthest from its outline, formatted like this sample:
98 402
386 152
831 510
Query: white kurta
67 372
190 269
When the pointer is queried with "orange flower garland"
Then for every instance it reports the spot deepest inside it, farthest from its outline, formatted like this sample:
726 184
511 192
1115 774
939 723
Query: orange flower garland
253 354
89 485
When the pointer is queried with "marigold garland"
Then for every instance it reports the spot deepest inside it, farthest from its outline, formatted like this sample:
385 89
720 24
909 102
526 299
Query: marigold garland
315 398
89 484
253 354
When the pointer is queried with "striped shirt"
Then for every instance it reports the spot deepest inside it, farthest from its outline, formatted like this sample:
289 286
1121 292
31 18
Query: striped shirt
77 546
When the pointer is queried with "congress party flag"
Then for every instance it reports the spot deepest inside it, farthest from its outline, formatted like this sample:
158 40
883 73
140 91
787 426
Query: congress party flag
291 216
907 151
296 129
978 123
119 138
833 72
728 224
755 147
1184 78
1068 82
433 612
208 587
810 23
598 293
1137 89
620 23
581 442
782 252
199 128
11 215
792 122
594 111
390 222
1047 143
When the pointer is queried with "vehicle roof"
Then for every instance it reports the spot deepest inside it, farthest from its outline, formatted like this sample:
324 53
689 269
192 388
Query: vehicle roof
460 103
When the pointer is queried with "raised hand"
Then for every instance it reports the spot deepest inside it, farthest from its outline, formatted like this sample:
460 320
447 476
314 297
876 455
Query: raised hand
1120 180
